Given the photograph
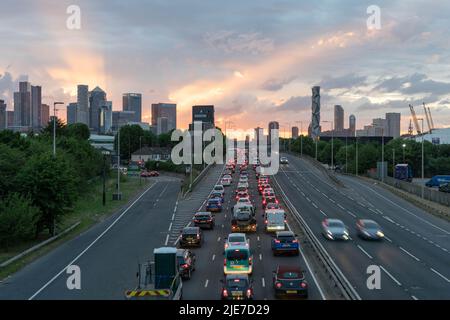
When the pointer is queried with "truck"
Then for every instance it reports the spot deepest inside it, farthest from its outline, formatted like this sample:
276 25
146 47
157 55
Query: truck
403 171
437 181
243 219
160 279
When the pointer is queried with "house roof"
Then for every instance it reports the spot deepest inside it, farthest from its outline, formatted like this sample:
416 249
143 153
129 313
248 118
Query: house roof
152 150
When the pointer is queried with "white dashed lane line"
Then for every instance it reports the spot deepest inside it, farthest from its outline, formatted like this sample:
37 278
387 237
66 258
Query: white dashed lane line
364 251
263 282
440 275
213 257
206 283
409 254
391 276
167 240
323 213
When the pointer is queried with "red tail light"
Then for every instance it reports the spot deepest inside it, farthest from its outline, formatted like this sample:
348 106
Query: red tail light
276 201
224 262
265 221
225 293
285 221
278 285
249 293
184 266
277 241
250 260
304 285
295 241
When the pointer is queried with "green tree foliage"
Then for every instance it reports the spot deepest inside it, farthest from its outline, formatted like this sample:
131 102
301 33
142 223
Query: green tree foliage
79 131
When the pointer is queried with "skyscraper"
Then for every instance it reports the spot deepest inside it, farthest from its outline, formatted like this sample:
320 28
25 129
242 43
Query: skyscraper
9 118
45 115
106 118
393 124
121 118
338 118
272 126
72 113
203 114
97 99
294 133
162 126
83 104
3 117
22 105
352 124
315 114
36 102
167 111
133 102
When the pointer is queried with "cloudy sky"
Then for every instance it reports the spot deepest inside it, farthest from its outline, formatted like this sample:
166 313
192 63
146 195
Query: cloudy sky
254 60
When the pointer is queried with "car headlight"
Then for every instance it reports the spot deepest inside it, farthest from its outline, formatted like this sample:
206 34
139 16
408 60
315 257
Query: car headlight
346 232
380 234
329 232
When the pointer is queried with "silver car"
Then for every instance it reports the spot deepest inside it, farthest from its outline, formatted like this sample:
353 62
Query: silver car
334 229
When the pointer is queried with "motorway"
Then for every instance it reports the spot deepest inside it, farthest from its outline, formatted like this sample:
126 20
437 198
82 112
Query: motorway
414 257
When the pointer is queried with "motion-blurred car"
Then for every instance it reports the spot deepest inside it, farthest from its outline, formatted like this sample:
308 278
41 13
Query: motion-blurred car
204 220
289 282
237 287
186 263
273 205
285 242
242 194
445 187
334 229
369 230
284 160
269 199
191 237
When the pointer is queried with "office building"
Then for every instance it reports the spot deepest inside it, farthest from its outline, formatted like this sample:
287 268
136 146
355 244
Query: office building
97 99
22 105
9 119
72 109
294 133
393 124
352 125
133 102
45 115
106 118
273 125
36 103
338 118
162 125
121 118
168 111
83 104
204 115
3 115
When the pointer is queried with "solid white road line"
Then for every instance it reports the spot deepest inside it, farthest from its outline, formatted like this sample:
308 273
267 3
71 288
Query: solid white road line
441 275
414 298
167 240
91 244
391 276
206 283
364 251
410 254
170 226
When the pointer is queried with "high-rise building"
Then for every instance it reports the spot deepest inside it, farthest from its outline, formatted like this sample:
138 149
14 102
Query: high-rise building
36 102
83 104
338 118
3 118
9 119
393 124
72 113
167 111
121 118
315 117
203 114
352 124
22 105
162 125
133 102
294 133
106 118
45 115
97 99
272 126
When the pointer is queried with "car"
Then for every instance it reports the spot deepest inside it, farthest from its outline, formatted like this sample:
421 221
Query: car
335 229
243 179
242 194
238 260
204 220
227 172
214 205
285 242
273 205
268 192
237 287
445 188
369 230
284 160
154 173
436 181
217 194
262 187
241 189
191 237
219 188
245 200
269 199
226 182
274 220
289 282
145 174
243 184
236 238
186 263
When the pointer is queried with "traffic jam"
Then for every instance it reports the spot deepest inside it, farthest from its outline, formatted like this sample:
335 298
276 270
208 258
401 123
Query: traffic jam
253 200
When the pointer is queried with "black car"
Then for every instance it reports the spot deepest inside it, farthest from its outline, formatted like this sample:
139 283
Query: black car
289 282
445 187
204 220
369 230
186 263
237 287
191 237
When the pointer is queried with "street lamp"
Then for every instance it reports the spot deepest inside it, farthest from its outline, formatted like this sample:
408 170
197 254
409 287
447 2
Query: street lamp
118 195
404 146
423 171
105 154
54 126
301 137
332 143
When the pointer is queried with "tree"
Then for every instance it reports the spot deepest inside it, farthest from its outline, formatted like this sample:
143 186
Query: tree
60 128
50 183
78 130
11 160
129 140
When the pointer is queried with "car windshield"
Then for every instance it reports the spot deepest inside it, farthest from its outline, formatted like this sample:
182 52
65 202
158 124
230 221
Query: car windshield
335 224
190 232
218 188
290 275
275 218
286 238
235 238
237 255
237 283
371 225
213 200
243 215
202 216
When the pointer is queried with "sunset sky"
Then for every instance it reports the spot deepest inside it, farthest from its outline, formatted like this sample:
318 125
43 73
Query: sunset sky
256 61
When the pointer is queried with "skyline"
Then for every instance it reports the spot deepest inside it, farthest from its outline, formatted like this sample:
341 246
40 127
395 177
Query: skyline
253 68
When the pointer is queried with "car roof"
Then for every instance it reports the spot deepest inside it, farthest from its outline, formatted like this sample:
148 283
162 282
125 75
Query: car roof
335 220
285 233
191 229
284 269
203 213
237 247
237 234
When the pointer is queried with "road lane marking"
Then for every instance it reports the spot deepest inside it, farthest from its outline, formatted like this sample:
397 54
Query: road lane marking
387 239
332 200
323 213
170 226
92 243
260 257
351 213
309 200
414 298
173 217
206 283
213 257
315 205
257 238
409 254
218 239
167 240
441 275
340 206
390 276
263 282
365 252
389 219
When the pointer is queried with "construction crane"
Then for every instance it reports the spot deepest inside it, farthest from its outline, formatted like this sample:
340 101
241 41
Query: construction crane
431 118
428 117
416 122
410 128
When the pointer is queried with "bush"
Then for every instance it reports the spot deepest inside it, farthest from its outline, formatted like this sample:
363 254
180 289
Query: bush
17 220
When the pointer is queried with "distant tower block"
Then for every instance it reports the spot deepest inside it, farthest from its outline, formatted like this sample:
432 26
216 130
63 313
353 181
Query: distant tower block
315 120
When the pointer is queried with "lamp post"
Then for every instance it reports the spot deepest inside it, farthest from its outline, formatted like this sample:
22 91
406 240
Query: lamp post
105 154
382 154
301 137
423 162
356 157
54 126
332 143
393 161
118 195
404 146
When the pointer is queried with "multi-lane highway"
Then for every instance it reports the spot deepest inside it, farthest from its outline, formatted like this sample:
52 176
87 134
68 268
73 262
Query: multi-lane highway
414 257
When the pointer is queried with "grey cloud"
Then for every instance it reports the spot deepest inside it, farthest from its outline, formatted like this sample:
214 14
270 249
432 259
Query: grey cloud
232 42
346 81
414 84
275 84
